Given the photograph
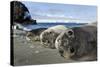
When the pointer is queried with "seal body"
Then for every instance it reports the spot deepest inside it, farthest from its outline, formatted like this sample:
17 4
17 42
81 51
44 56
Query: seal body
34 35
78 43
49 36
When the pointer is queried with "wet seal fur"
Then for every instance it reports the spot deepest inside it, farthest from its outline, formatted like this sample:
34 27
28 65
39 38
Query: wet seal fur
49 36
78 43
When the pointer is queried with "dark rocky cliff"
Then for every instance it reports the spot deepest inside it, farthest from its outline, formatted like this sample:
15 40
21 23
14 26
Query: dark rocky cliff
21 13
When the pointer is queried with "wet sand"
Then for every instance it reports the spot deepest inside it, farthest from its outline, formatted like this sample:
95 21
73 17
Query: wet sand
32 53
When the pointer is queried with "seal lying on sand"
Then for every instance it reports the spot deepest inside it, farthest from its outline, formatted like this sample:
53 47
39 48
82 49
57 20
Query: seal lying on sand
34 35
78 43
49 36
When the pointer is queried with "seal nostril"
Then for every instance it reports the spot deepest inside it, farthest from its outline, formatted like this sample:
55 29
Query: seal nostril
61 55
61 51
48 41
72 50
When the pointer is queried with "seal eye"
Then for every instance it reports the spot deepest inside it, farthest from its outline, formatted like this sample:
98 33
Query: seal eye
50 32
70 32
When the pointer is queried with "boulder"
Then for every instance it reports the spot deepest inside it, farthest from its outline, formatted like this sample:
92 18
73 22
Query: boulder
20 13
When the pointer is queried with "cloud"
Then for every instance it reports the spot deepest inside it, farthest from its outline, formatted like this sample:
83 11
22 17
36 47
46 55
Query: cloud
56 15
47 14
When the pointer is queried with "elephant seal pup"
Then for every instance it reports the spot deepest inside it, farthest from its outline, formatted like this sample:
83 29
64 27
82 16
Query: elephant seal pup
34 35
49 36
78 43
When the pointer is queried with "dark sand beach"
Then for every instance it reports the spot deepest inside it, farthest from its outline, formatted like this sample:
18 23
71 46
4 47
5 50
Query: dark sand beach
32 53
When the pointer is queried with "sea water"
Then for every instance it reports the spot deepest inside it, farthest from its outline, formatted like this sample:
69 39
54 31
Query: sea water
47 25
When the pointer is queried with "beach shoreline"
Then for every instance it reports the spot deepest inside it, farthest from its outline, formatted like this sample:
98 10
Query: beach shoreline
32 53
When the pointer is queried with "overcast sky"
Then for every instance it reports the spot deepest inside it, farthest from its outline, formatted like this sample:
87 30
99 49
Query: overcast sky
51 11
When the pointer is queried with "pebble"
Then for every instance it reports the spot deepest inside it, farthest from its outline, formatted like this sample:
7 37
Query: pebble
15 35
36 51
28 39
32 46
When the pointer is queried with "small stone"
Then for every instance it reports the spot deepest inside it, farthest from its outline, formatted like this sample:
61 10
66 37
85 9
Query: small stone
15 27
15 35
28 39
32 46
36 51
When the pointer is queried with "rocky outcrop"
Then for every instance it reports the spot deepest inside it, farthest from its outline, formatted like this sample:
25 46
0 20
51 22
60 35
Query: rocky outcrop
21 13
